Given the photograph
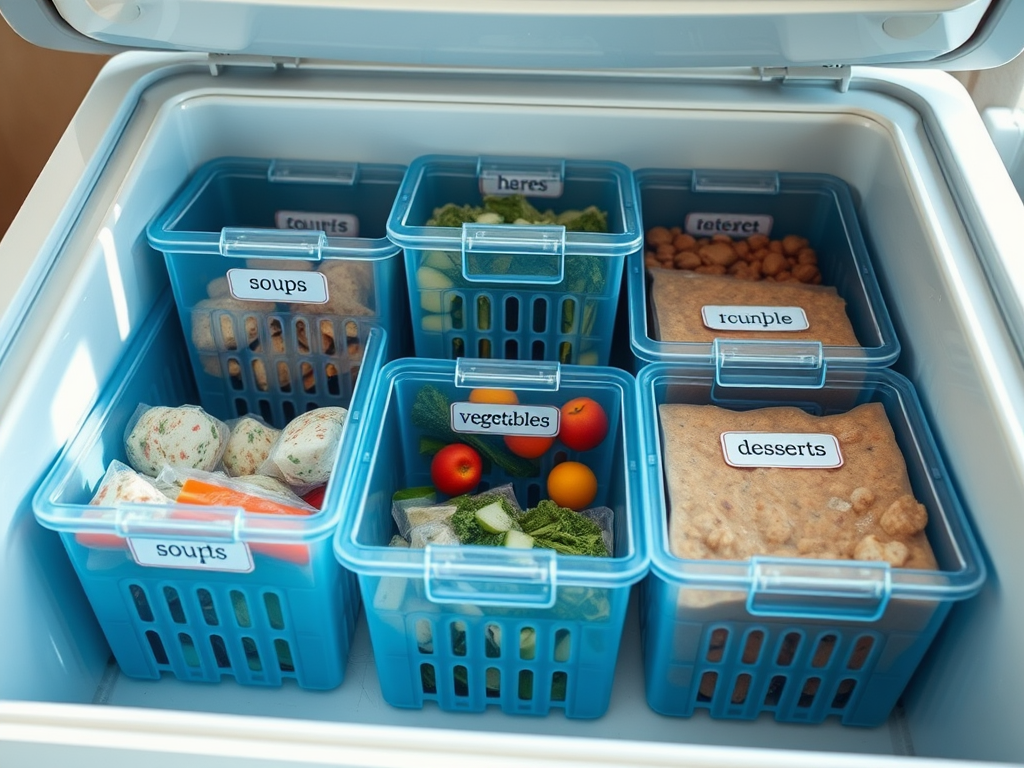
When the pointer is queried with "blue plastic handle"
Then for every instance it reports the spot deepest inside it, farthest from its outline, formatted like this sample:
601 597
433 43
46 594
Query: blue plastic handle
490 576
834 590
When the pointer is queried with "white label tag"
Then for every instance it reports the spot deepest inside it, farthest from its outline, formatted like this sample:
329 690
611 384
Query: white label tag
738 318
168 553
278 285
332 224
732 224
490 419
781 449
521 183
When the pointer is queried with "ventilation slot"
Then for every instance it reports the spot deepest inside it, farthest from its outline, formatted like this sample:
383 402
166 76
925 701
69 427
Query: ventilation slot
787 652
174 605
540 315
843 693
537 350
511 314
428 681
266 412
511 349
457 314
235 374
708 681
532 495
157 646
274 613
559 682
259 373
308 378
741 689
716 646
277 344
460 681
240 608
568 315
227 332
493 687
483 313
424 636
252 654
458 347
752 648
288 408
563 645
565 352
527 643
861 652
771 698
241 407
333 379
823 652
188 650
492 641
220 651
809 692
525 684
141 602
207 607
284 656
458 637
483 348
327 338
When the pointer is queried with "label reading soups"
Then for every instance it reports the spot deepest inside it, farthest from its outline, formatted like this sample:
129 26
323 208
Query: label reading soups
277 285
199 556
736 318
781 449
489 419
331 224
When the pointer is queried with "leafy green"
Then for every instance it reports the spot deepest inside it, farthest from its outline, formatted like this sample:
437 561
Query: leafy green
431 412
466 526
512 208
591 219
453 215
563 530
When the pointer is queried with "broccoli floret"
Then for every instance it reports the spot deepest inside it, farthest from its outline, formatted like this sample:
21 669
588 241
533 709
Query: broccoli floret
453 215
466 526
512 207
563 530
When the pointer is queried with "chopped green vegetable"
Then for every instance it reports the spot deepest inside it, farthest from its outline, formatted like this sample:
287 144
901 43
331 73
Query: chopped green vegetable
518 540
431 412
467 525
425 492
563 530
494 519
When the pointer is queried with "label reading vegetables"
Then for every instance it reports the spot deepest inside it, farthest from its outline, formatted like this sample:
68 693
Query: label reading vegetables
780 449
168 553
738 318
732 224
331 224
527 183
278 285
491 419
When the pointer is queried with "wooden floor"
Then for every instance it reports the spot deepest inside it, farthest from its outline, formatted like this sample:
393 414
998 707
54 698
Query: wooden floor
39 92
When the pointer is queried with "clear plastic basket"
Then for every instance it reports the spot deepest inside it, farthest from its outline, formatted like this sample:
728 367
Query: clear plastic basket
734 204
516 292
290 615
279 270
802 639
472 627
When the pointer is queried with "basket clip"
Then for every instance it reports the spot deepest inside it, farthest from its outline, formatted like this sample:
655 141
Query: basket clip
490 576
769 364
840 590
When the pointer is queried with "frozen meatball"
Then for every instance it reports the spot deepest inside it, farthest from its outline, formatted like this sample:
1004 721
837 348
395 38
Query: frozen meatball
304 454
248 446
186 437
122 483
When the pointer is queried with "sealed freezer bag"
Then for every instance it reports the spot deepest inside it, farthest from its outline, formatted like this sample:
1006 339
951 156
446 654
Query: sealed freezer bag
214 489
186 436
781 482
248 445
305 452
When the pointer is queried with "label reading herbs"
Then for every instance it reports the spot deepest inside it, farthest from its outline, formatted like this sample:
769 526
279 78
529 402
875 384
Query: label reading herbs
332 224
277 285
535 184
168 553
732 318
781 449
732 224
489 419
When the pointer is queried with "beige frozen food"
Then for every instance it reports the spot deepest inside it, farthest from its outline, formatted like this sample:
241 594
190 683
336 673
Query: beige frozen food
228 314
304 454
248 446
121 483
864 509
678 297
186 436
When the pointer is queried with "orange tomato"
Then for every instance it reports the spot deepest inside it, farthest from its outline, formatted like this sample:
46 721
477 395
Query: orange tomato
497 396
528 446
573 485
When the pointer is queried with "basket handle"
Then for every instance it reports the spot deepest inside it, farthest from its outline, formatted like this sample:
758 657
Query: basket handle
839 590
490 576
506 253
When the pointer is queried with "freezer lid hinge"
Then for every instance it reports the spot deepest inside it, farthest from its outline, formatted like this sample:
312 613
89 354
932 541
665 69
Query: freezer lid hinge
218 61
840 74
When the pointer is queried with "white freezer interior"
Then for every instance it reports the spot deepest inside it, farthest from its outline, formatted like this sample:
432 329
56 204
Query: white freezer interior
897 151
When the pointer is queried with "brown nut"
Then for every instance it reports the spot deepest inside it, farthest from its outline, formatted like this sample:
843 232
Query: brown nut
807 256
743 249
773 264
652 263
658 236
665 252
676 231
710 269
686 260
684 242
719 253
805 273
757 242
793 244
775 246
721 239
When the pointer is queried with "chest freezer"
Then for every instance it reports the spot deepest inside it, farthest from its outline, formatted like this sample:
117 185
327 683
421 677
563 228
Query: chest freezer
659 83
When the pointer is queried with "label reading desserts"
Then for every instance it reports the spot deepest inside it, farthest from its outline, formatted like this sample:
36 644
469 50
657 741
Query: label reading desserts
736 318
530 184
332 224
491 419
732 224
168 553
277 285
781 449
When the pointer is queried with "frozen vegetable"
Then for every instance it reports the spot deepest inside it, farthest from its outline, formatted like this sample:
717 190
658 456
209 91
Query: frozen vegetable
186 436
563 530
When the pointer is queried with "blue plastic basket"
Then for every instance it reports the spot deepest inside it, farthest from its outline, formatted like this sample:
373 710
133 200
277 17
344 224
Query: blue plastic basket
817 207
291 617
507 291
802 639
279 270
434 613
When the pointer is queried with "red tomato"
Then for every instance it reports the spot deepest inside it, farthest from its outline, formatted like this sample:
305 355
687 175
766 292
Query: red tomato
456 469
527 446
583 425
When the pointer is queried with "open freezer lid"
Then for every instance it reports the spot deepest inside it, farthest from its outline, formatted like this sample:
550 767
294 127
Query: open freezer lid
548 34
